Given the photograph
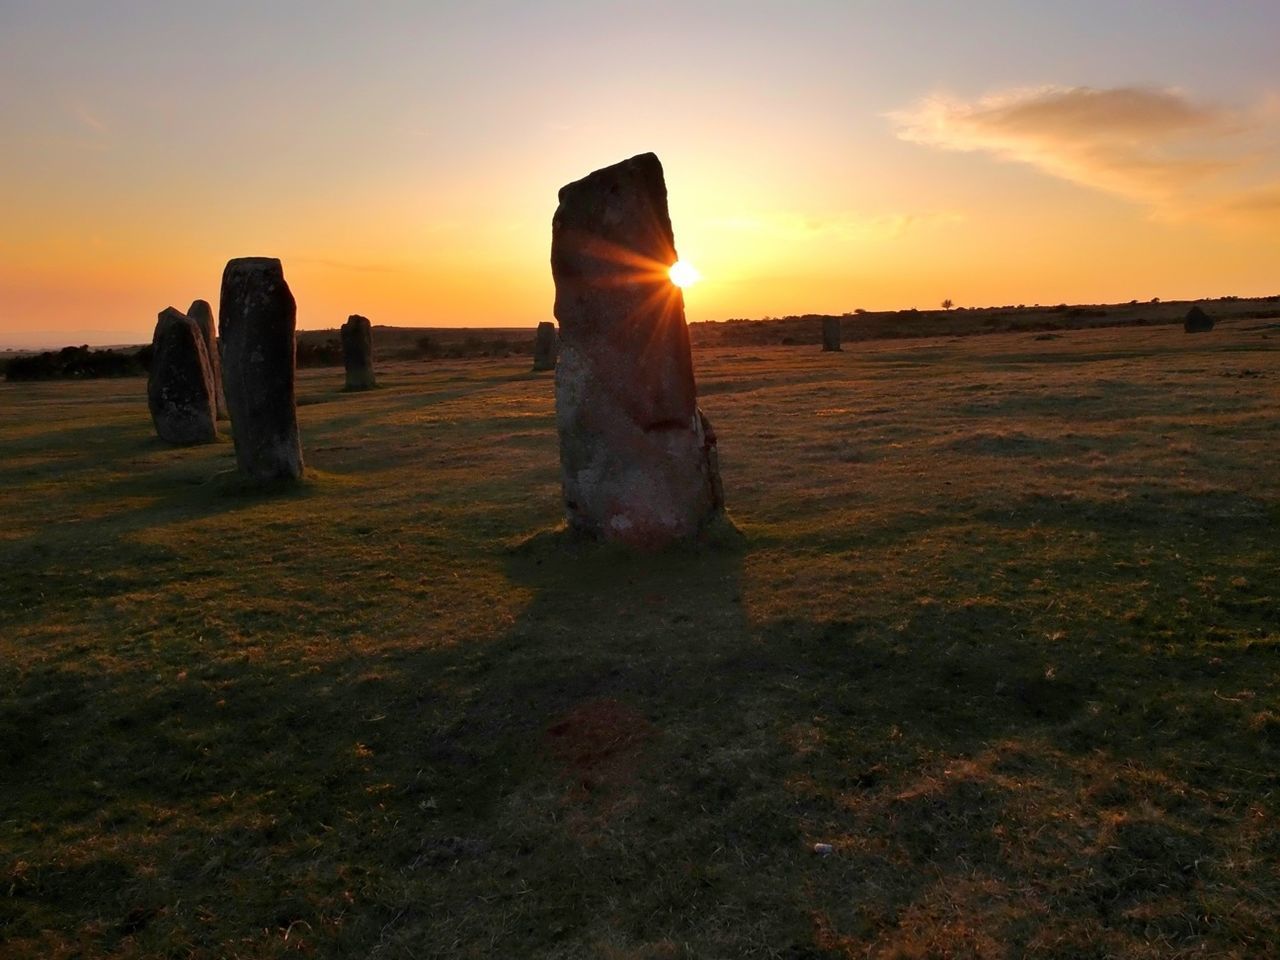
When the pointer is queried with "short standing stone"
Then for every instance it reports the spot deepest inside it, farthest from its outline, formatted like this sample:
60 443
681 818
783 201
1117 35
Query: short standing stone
202 314
357 353
1197 321
544 346
830 333
179 383
257 319
637 457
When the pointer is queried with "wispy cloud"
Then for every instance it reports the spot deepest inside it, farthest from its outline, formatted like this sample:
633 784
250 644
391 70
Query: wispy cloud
1158 147
90 121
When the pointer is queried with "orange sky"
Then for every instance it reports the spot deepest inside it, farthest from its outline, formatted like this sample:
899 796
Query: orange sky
403 162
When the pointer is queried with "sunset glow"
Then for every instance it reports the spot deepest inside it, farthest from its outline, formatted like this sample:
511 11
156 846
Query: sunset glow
684 274
403 161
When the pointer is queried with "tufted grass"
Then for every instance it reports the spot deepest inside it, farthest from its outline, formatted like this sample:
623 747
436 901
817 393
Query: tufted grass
1003 631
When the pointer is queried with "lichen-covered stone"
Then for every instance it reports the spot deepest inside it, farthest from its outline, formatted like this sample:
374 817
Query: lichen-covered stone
180 393
544 346
637 457
258 319
357 353
202 314
830 334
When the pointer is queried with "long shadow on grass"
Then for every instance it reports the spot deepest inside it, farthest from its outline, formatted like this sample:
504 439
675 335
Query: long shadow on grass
635 768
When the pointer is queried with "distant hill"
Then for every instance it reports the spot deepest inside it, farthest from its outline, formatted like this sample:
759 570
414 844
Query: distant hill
323 347
963 322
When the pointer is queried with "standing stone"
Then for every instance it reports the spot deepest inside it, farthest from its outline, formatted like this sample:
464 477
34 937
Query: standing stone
202 314
637 457
1197 321
357 353
544 346
258 320
179 385
830 334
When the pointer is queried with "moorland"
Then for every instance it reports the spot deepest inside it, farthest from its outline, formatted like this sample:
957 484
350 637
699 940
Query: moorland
1001 633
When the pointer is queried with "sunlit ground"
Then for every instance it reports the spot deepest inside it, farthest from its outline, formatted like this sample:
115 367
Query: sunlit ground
1003 633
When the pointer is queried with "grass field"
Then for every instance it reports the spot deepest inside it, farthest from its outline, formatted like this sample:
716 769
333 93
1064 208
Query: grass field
1003 631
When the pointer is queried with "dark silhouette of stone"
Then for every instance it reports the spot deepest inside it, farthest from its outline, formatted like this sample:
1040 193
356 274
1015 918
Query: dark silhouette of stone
1197 321
258 319
179 384
637 457
357 353
202 314
544 346
830 334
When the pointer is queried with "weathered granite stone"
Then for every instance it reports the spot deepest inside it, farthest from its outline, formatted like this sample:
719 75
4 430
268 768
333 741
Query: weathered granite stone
637 457
202 314
830 333
258 318
1197 321
179 384
357 353
544 346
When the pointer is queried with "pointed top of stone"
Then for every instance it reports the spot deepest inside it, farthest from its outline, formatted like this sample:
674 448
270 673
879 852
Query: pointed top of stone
199 311
616 214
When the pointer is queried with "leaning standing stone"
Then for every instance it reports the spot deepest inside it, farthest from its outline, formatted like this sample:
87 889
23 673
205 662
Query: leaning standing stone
830 334
258 319
179 384
637 457
357 353
544 346
202 314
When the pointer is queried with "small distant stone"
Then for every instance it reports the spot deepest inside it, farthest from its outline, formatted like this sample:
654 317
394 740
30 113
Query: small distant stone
357 353
1197 321
545 344
823 849
831 334
179 384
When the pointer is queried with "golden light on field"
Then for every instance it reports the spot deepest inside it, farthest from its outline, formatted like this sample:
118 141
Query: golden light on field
684 274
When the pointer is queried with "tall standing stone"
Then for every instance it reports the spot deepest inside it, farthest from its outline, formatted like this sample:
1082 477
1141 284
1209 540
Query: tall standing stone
202 314
258 320
637 457
544 346
830 334
357 353
179 383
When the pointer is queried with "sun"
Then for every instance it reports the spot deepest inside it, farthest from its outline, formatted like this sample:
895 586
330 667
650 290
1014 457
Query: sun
683 273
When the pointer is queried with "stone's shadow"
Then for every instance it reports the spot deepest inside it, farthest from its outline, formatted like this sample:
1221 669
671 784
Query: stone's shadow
634 730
